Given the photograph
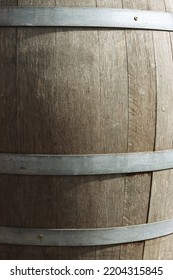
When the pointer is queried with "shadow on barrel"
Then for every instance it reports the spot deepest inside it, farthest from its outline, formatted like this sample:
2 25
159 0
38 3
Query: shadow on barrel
57 112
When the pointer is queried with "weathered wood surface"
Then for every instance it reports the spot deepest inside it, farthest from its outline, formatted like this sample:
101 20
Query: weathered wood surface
9 196
141 124
161 206
73 91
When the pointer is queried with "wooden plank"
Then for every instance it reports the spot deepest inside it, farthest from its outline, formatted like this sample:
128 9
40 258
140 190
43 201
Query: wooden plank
36 85
79 58
113 124
141 129
161 206
80 196
9 196
8 3
76 118
169 7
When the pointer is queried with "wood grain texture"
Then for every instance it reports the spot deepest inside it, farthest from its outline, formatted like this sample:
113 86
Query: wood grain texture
77 60
141 124
92 98
114 121
32 196
8 2
9 196
35 80
80 91
71 116
161 206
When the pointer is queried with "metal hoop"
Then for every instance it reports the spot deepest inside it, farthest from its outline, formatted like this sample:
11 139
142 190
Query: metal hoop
85 237
86 17
30 164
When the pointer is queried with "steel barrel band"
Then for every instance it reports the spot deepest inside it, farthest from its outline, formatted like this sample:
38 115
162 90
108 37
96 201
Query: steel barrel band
21 164
96 164
85 237
86 17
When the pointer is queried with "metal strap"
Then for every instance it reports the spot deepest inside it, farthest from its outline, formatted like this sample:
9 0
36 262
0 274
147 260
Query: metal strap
28 164
85 237
86 17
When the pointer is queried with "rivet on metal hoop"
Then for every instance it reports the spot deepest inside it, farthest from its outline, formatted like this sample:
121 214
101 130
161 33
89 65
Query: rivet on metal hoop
40 236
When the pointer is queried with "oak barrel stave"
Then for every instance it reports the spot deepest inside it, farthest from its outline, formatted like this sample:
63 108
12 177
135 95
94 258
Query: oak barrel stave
77 91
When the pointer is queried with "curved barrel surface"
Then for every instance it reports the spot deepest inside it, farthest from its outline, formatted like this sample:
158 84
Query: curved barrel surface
84 96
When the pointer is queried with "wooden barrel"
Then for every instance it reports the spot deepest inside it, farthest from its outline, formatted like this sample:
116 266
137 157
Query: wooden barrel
80 91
